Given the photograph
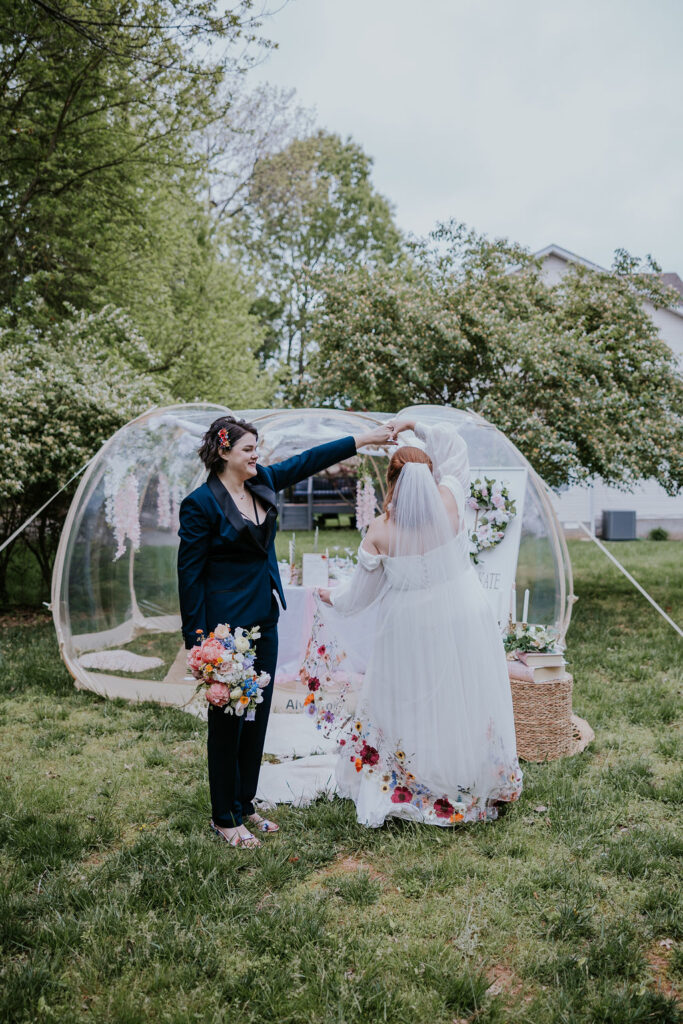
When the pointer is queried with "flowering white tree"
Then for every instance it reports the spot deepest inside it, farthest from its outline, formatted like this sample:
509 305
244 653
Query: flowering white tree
64 389
575 374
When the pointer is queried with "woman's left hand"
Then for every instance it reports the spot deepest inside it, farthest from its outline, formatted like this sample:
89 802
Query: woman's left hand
324 595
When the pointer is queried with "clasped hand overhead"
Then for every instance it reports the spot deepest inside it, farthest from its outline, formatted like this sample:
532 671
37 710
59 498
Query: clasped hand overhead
385 434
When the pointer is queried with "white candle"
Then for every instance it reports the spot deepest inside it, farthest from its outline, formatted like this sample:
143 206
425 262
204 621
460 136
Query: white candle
525 613
315 540
291 552
513 603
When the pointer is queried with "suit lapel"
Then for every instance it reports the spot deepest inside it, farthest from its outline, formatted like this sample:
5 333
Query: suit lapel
225 503
243 526
268 499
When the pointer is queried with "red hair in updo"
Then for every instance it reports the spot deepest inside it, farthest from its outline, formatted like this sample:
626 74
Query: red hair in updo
407 453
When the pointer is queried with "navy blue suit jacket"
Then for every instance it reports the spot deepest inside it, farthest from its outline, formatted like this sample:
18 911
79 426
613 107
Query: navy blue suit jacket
227 568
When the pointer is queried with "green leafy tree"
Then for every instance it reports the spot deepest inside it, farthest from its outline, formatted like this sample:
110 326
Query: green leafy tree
64 390
309 208
192 303
100 104
576 374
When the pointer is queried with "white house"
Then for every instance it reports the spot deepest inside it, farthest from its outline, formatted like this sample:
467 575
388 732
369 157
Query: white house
652 505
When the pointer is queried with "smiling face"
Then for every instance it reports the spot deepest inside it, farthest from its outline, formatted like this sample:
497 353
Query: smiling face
241 459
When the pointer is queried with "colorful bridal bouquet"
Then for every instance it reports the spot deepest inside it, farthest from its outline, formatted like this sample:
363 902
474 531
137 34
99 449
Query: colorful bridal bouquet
223 663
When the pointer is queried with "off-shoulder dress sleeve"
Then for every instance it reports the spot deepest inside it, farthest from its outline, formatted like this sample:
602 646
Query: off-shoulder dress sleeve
362 588
448 452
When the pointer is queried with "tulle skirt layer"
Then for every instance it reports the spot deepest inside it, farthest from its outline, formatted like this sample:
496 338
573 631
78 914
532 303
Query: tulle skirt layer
432 738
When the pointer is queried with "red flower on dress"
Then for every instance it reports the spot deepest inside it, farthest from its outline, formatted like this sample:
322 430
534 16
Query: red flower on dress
443 808
368 754
401 795
321 650
313 683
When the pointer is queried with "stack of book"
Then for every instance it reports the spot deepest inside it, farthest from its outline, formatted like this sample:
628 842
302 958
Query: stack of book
536 668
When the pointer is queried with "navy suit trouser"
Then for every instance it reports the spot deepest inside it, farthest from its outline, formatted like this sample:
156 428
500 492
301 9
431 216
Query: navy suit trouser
235 746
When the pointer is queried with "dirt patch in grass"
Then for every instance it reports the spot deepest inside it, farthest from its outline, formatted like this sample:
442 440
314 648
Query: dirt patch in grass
24 617
658 958
346 865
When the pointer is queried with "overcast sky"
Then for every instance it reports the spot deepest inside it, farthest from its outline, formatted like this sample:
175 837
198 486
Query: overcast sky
532 119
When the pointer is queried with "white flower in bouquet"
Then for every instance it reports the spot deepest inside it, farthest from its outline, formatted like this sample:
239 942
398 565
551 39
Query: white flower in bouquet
237 692
222 632
241 642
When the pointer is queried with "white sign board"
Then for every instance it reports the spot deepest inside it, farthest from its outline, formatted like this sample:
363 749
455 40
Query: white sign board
498 565
316 571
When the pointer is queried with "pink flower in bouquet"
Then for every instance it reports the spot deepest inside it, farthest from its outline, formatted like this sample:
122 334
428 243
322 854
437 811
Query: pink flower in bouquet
401 795
498 500
443 807
472 503
195 660
222 631
212 651
218 694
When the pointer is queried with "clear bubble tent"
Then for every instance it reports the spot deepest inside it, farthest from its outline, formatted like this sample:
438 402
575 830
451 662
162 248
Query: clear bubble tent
114 584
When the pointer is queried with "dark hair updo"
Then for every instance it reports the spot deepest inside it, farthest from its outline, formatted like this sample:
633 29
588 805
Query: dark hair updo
210 449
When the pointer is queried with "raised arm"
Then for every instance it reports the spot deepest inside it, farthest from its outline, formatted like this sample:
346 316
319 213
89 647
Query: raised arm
361 590
313 460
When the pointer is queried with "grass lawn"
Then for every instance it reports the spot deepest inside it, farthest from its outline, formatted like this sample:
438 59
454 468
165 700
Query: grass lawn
118 906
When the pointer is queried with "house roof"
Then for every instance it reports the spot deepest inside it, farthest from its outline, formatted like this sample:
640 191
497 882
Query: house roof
671 278
567 256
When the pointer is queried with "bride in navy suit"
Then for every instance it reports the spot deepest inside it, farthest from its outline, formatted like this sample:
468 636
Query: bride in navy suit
228 573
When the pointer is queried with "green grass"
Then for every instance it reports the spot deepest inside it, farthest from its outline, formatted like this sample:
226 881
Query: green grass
117 905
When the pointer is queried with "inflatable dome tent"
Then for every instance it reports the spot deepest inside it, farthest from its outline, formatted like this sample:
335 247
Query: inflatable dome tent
114 589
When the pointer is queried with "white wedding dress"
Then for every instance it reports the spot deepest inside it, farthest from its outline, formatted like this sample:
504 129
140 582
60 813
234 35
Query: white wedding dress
432 736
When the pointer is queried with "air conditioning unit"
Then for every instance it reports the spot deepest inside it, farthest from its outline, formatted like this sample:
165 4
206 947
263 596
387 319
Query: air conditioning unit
618 525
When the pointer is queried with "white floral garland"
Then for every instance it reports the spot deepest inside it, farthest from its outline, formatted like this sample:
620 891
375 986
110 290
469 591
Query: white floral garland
494 509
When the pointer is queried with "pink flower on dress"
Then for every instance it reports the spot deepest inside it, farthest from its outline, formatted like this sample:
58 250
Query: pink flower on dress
368 754
401 795
218 694
443 807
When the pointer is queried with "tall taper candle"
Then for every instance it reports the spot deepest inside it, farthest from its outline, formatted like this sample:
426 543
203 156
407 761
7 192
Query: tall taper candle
315 540
525 613
513 603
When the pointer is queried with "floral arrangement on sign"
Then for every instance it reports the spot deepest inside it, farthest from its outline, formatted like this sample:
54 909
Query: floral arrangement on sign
526 639
223 663
494 509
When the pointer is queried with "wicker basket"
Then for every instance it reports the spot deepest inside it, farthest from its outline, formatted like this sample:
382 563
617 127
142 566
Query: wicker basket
543 718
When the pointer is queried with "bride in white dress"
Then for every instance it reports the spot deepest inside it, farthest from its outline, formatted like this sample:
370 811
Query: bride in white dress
432 738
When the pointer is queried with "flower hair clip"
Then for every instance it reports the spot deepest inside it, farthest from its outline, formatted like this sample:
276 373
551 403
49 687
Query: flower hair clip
224 440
